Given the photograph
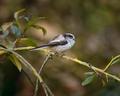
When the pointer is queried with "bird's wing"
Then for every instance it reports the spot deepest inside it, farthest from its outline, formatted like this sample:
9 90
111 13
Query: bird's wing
51 44
57 38
57 43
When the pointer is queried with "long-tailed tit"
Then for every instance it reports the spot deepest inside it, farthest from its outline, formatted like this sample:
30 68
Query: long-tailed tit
60 43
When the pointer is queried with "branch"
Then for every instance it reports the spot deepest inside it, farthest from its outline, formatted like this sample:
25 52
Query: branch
74 60
95 68
39 72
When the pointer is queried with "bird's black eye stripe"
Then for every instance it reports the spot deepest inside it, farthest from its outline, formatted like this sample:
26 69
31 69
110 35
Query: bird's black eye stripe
70 36
66 35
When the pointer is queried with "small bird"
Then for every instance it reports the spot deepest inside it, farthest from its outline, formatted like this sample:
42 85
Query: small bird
59 43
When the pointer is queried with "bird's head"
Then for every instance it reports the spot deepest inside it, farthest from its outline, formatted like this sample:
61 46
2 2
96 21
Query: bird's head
69 36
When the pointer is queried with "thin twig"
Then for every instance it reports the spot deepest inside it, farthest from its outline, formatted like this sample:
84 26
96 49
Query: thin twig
90 66
48 89
45 89
45 62
40 70
95 68
110 63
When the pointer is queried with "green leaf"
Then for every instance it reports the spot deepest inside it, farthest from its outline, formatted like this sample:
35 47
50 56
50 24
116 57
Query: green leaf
26 18
16 14
34 20
16 62
39 27
88 80
26 42
32 23
116 61
16 30
27 65
89 73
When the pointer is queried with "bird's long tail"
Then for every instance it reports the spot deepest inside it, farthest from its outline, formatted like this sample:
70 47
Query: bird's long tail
39 47
51 44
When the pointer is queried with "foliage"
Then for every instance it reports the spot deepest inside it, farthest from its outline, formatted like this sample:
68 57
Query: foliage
7 44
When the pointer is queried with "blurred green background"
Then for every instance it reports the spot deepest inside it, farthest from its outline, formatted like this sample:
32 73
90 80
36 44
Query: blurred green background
96 26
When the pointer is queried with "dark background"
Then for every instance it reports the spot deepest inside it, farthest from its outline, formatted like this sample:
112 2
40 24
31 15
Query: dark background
96 26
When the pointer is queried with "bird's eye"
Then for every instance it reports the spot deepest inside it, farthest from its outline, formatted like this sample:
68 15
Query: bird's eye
70 36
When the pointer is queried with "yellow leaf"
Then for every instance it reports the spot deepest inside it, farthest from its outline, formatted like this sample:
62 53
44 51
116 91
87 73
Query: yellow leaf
2 52
16 15
16 62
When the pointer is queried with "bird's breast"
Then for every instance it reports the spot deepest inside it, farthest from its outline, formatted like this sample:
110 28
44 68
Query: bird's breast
65 47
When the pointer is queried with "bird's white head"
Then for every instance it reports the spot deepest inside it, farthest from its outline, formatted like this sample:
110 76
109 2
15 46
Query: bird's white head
69 36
